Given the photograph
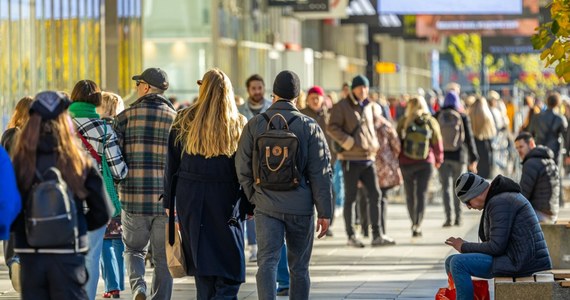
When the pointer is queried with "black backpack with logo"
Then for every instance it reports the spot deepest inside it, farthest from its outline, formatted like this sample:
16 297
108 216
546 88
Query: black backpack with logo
275 156
50 212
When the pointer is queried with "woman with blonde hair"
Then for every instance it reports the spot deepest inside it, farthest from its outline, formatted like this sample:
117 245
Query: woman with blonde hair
17 121
111 105
422 148
484 131
112 263
201 181
46 141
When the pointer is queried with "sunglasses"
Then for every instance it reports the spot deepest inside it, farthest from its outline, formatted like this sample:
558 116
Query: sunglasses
138 82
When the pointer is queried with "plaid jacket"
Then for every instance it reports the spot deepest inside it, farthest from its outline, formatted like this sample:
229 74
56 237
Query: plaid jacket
93 131
143 130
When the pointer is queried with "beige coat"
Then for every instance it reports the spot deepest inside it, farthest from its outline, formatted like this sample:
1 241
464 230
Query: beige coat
344 119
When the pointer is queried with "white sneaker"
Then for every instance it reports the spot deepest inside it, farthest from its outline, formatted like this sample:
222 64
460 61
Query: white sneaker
15 276
253 256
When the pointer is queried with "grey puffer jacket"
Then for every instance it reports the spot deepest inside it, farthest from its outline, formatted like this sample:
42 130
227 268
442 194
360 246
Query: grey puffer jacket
313 162
510 232
540 181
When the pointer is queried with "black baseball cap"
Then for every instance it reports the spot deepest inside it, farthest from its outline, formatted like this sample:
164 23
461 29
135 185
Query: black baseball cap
155 77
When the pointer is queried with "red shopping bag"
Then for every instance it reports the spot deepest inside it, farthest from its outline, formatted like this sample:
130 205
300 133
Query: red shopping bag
480 290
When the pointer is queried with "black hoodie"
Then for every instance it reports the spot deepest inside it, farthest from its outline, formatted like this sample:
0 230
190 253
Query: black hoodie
540 181
510 232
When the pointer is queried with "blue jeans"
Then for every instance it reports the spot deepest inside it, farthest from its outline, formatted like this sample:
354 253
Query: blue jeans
92 258
272 229
140 232
338 183
283 270
112 265
463 266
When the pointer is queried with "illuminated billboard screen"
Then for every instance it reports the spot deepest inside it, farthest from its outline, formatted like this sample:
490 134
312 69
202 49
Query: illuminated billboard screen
523 24
450 7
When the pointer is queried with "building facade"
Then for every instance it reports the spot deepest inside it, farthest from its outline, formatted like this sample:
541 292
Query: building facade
51 44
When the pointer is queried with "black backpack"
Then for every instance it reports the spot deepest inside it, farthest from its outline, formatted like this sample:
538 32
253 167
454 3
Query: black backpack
50 212
275 156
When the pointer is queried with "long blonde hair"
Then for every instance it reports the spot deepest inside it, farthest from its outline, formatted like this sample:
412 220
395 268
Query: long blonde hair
212 125
21 113
416 106
71 159
482 121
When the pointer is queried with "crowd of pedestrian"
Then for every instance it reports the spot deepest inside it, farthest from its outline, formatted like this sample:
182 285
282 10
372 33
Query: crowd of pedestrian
255 170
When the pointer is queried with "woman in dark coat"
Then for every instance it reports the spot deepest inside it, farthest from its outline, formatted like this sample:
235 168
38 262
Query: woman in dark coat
200 175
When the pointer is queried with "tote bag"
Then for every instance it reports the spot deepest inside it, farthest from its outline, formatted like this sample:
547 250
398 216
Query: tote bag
175 254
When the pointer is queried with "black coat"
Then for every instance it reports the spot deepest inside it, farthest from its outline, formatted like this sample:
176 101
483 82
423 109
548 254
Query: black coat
540 181
486 159
8 138
549 129
510 232
205 193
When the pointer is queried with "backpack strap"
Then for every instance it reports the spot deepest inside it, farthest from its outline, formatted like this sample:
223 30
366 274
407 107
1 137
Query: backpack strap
90 148
288 123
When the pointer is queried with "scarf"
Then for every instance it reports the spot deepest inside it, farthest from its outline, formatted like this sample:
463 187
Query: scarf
83 110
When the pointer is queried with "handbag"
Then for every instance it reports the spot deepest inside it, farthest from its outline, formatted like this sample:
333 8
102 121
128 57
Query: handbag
174 253
480 290
105 170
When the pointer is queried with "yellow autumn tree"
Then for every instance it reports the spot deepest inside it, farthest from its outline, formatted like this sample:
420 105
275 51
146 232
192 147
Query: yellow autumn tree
466 51
553 38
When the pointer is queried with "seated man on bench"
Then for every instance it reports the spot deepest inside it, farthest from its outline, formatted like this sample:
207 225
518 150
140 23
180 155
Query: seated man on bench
512 242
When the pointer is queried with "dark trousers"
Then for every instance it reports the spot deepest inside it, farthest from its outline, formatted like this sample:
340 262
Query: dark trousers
216 287
448 173
9 254
53 276
362 209
366 173
416 179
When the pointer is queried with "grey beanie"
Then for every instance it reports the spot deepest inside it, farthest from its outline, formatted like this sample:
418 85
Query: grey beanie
469 185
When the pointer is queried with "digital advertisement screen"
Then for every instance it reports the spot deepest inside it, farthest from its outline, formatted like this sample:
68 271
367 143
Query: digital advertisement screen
450 7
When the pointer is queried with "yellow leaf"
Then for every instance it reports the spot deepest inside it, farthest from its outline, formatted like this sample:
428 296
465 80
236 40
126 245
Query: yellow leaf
544 54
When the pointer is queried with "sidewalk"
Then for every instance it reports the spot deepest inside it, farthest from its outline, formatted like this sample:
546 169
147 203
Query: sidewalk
412 269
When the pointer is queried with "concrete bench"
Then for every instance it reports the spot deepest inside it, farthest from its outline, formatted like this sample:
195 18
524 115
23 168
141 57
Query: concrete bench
543 285
557 237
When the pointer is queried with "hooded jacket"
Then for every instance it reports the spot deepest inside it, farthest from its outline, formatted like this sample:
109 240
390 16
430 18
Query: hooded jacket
510 232
540 181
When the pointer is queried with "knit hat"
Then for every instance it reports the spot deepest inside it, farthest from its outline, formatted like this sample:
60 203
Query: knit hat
50 104
286 85
155 77
317 90
469 185
452 100
359 80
